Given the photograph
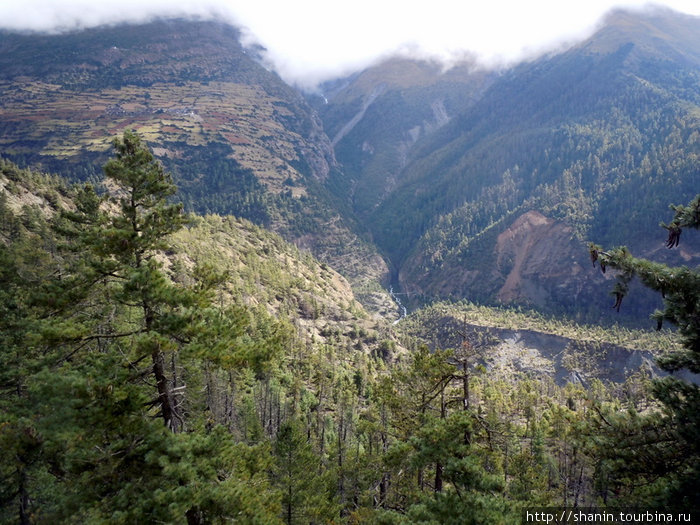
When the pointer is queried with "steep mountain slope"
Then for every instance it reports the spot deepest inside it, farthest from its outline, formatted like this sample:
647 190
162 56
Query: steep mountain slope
376 117
178 82
237 138
607 126
264 274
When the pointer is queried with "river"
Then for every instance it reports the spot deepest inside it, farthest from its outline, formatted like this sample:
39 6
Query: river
403 312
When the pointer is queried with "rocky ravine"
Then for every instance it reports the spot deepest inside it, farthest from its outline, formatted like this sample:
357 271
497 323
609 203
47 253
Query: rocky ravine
507 352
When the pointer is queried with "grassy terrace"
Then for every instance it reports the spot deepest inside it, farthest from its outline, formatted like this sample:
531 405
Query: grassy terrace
518 319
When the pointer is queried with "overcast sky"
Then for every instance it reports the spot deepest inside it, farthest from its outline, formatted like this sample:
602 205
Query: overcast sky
311 40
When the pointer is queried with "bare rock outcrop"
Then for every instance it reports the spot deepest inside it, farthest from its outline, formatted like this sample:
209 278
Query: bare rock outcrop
534 255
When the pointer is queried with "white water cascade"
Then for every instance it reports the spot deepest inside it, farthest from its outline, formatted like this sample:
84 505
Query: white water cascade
403 312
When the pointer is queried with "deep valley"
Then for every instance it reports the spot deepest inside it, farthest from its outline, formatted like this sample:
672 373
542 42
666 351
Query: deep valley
416 294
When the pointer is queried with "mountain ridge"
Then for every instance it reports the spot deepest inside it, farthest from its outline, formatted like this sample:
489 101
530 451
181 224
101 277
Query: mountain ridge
572 136
237 139
424 164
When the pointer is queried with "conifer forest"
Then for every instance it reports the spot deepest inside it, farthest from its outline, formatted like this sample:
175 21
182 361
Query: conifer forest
417 295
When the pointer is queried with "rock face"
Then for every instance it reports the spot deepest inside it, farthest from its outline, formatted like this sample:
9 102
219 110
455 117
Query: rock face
536 255
570 361
566 360
509 346
534 261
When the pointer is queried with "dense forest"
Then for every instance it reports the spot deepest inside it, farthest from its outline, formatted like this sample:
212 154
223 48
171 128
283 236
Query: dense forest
159 366
439 167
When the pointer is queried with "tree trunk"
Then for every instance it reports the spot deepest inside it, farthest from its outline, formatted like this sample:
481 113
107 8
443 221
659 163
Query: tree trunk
384 483
194 516
438 477
438 464
465 387
341 474
165 396
23 499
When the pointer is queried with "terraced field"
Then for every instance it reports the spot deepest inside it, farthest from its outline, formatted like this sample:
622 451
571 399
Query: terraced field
67 123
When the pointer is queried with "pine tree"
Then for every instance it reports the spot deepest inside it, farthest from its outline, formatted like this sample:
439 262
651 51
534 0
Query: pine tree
134 469
25 265
304 490
658 456
96 343
132 238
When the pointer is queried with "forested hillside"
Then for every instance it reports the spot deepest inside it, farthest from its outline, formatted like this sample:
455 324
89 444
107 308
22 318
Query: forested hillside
145 350
610 125
546 155
163 367
193 321
237 139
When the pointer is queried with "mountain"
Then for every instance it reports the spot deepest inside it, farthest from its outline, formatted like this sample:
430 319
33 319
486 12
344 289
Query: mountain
179 83
469 182
236 137
264 274
376 117
162 367
497 202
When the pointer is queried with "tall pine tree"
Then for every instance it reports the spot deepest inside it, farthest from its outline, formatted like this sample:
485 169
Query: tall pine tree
99 347
657 457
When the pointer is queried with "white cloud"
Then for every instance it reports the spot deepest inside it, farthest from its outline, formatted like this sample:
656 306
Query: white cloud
309 40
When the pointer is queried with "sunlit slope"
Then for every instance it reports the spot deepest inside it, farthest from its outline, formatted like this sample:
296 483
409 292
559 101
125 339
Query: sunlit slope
237 139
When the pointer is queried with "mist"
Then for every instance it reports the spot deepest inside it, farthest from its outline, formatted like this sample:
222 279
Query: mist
309 41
